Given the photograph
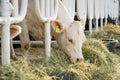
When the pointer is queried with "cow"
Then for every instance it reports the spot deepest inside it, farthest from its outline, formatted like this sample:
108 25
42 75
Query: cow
14 31
69 34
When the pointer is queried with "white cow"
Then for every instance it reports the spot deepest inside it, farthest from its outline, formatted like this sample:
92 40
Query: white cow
69 34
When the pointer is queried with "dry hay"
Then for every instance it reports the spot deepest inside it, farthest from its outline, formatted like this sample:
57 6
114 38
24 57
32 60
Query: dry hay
109 31
97 53
114 29
99 64
60 68
21 70
102 66
79 71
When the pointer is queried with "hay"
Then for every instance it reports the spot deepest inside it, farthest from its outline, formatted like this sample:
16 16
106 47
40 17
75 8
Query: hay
79 71
95 51
100 35
114 29
21 70
57 63
61 68
99 64
109 31
101 67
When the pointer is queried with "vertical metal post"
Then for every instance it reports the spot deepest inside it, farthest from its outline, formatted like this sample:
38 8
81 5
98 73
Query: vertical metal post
105 21
90 26
96 12
102 12
6 43
47 40
42 6
6 6
47 8
101 23
90 8
106 11
70 6
46 11
116 21
15 5
52 8
96 24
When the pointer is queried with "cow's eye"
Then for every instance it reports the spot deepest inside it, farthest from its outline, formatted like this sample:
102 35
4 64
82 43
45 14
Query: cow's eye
70 40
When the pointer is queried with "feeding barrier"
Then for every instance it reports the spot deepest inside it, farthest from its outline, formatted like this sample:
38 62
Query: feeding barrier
14 11
81 9
116 10
11 11
46 11
96 13
106 11
90 9
101 12
70 5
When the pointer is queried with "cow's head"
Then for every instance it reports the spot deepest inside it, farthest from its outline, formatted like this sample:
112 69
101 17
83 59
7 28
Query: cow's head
70 38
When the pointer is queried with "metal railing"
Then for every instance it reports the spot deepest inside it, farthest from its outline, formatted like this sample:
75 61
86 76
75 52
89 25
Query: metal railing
10 12
46 11
70 5
14 11
97 9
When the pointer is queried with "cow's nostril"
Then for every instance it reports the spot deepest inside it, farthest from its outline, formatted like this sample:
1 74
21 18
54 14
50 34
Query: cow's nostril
80 59
77 59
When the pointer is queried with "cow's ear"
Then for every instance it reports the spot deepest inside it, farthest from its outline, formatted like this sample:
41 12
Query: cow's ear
14 31
57 26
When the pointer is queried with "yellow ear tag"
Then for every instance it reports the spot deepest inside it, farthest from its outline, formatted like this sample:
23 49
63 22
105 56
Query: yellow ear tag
57 29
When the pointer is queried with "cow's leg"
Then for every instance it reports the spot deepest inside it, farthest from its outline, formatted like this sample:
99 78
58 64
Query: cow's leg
12 52
24 37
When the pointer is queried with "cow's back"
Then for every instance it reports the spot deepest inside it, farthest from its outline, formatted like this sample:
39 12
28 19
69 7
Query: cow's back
35 26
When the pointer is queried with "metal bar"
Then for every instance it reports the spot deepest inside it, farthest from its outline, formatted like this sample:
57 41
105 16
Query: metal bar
90 26
31 42
90 9
47 40
52 8
106 8
22 13
102 11
96 9
101 23
7 8
56 8
15 5
82 9
105 21
47 8
23 9
96 24
42 7
49 14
